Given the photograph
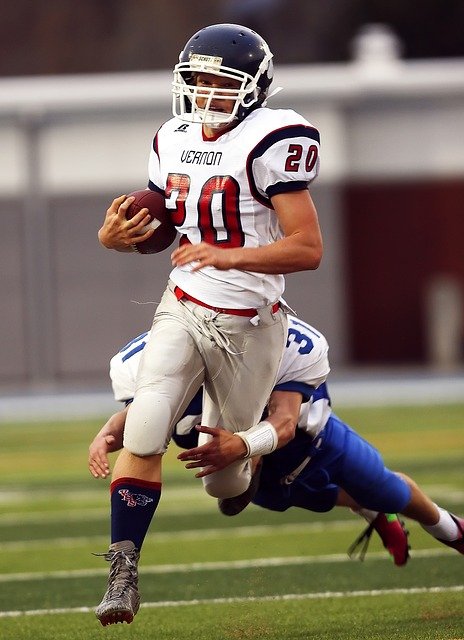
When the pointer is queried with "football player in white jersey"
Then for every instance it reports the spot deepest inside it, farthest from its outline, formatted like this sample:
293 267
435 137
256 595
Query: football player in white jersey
235 175
320 462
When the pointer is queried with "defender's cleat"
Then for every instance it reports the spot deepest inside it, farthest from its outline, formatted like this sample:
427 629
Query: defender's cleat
393 534
121 600
459 543
233 506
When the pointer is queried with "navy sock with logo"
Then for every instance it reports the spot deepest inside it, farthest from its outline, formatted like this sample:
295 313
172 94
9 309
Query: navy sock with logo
133 503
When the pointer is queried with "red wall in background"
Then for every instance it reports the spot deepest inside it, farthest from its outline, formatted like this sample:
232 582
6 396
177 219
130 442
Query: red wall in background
399 236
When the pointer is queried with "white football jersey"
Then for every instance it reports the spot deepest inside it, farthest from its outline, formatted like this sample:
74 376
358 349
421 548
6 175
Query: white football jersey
304 368
219 191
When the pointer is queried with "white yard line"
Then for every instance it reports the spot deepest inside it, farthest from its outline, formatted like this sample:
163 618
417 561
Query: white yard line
174 503
171 495
214 566
175 507
323 595
189 534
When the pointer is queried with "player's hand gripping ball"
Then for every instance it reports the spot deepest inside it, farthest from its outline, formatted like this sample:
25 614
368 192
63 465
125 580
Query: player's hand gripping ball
165 231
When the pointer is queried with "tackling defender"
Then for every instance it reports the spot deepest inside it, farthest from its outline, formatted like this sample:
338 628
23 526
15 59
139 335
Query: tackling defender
323 464
235 175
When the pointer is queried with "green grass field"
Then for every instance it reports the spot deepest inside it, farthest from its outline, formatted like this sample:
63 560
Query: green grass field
258 575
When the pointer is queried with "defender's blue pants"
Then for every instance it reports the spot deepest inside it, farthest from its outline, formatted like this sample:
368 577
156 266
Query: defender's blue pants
343 459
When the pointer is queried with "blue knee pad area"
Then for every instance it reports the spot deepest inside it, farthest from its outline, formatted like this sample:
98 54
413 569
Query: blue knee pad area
281 498
345 460
311 490
364 476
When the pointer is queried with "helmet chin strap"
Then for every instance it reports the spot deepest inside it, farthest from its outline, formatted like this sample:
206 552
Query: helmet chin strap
273 93
221 125
218 124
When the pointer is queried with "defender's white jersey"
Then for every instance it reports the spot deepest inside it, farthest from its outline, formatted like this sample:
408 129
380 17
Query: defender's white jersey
304 368
219 192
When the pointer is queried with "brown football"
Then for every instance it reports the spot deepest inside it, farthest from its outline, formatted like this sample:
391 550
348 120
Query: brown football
165 231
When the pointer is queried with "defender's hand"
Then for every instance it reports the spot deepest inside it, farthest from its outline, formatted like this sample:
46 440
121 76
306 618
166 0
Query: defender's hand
99 465
223 449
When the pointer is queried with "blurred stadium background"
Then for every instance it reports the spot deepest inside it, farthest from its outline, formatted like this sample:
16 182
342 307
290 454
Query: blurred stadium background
83 88
81 95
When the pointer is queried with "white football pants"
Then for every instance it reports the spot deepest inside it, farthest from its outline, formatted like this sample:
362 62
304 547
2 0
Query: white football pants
190 345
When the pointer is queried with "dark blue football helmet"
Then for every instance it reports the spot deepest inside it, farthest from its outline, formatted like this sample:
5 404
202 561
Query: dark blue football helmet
226 50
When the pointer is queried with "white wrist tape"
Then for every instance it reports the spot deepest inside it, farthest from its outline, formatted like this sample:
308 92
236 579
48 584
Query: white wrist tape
260 439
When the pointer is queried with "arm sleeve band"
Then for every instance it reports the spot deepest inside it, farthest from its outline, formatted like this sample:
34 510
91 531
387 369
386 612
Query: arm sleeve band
260 439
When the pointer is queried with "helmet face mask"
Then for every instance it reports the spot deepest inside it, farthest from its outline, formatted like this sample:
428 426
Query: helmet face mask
235 54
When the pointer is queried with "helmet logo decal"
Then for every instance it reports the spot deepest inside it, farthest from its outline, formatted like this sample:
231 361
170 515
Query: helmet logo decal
215 61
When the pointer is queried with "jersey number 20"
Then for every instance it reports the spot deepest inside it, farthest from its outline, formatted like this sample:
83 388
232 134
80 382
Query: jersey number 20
218 208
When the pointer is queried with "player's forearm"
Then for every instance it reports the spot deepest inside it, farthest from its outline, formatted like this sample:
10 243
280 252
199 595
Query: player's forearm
277 429
285 426
287 255
283 414
114 427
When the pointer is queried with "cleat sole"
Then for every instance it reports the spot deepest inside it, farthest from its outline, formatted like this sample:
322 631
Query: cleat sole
116 617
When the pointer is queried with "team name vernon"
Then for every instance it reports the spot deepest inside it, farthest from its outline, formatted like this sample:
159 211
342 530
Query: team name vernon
189 156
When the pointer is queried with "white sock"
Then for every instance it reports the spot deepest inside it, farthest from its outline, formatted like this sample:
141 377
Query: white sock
367 514
445 529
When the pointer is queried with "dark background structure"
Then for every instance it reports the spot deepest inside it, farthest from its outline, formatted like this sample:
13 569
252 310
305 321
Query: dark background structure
83 87
67 37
